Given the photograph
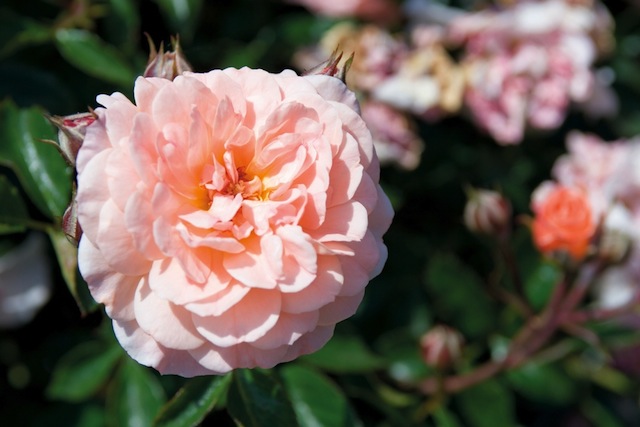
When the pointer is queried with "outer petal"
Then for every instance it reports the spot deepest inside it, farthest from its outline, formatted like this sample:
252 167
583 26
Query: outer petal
250 319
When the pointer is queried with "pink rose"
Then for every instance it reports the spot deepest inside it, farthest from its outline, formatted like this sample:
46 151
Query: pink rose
230 218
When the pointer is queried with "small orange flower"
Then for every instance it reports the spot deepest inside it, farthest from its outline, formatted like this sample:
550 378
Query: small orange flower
563 222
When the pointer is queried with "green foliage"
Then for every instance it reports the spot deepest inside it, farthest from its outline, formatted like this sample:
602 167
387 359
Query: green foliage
459 296
13 211
488 404
42 172
86 51
83 371
345 354
193 402
257 398
316 400
134 397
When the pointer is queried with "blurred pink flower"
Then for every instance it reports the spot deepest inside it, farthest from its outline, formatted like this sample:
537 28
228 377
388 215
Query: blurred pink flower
230 218
527 63
377 10
595 166
393 136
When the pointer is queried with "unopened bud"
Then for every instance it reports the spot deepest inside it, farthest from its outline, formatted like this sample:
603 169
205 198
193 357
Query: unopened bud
70 226
332 67
441 347
166 65
486 212
71 132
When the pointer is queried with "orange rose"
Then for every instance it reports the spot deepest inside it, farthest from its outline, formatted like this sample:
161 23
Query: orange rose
563 222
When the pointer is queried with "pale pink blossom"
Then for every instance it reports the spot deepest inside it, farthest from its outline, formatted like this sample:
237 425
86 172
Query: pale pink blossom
376 10
527 63
598 167
230 218
393 135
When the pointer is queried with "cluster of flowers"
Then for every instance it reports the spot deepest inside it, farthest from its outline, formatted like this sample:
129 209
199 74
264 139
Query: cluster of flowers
520 67
592 209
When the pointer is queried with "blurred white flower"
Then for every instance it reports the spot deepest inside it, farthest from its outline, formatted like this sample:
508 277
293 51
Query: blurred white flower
25 281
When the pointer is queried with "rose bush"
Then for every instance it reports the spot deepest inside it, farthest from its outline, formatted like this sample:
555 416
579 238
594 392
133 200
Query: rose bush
230 218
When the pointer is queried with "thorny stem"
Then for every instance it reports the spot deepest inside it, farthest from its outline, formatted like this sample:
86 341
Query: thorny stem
531 338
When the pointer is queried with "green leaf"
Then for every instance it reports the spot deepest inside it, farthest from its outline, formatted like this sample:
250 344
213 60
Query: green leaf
541 282
544 383
123 24
135 397
92 55
182 15
345 354
445 418
42 172
459 297
83 371
488 404
193 402
18 31
258 399
13 212
67 256
316 400
600 415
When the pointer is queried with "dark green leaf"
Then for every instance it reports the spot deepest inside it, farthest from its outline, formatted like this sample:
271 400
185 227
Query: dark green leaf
13 212
541 282
123 24
135 398
402 351
345 354
83 371
316 400
93 56
182 16
459 297
41 170
258 399
544 383
445 418
67 255
600 415
18 31
488 404
193 402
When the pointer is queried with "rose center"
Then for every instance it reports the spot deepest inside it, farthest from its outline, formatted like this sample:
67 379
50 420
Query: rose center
250 187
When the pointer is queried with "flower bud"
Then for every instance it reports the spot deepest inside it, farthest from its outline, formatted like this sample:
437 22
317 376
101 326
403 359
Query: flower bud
487 212
70 226
166 65
331 67
441 347
71 132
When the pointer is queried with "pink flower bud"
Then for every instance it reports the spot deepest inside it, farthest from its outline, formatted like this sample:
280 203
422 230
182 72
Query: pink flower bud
332 67
441 346
166 65
486 212
71 132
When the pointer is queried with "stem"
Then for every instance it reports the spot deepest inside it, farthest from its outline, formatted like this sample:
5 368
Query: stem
457 383
532 337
